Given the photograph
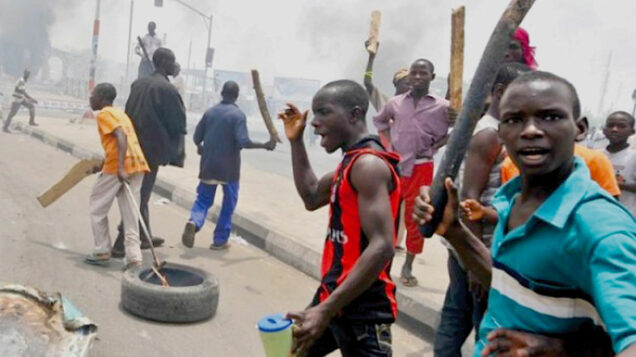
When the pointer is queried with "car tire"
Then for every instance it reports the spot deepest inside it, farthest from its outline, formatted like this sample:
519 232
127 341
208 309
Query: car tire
196 300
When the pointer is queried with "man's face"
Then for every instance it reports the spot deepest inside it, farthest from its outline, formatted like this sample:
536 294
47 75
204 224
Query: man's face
618 128
151 28
420 76
170 65
537 126
26 75
330 120
514 52
94 101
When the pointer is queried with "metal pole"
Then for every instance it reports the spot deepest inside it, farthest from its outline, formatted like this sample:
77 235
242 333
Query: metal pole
634 110
132 6
187 79
91 78
205 69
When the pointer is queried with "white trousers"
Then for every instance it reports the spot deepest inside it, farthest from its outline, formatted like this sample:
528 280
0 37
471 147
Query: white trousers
106 188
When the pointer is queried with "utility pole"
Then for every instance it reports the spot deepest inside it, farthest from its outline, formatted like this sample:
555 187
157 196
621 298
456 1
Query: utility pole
207 63
93 66
130 21
208 52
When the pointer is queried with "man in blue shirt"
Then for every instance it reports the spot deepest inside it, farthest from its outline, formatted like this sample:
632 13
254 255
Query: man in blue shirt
220 136
564 251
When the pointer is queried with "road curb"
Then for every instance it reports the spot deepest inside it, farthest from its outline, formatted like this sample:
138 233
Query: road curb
419 316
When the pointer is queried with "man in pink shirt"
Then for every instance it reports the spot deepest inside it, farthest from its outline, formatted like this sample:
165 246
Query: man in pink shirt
416 124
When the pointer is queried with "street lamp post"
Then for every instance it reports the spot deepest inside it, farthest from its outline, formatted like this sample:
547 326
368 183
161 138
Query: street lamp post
95 42
130 21
208 19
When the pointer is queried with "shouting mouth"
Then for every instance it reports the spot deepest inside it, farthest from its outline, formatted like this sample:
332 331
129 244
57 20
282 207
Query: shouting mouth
532 156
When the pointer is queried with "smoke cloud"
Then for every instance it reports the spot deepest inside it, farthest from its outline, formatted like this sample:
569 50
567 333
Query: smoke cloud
410 29
24 33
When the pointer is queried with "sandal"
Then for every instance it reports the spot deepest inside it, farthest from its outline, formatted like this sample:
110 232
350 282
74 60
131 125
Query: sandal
97 259
410 281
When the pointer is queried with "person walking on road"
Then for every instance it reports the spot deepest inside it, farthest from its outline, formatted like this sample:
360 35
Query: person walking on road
157 112
355 304
124 162
220 136
21 98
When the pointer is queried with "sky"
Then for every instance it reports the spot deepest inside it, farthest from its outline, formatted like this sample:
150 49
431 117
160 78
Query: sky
323 39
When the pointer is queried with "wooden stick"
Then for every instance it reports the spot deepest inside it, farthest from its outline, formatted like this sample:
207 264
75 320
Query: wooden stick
374 31
262 105
491 60
76 174
457 57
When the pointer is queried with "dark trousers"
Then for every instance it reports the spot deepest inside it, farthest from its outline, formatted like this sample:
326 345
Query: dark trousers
15 106
461 312
354 340
146 190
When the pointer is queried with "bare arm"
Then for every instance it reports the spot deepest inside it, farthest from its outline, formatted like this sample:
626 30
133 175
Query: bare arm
481 156
368 74
314 192
629 351
122 148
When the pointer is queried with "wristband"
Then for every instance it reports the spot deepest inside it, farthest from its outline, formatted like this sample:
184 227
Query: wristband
368 74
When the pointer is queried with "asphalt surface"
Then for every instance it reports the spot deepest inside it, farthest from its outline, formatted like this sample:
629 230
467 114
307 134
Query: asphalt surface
44 248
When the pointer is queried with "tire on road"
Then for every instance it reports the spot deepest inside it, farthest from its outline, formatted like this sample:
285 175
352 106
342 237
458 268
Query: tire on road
195 300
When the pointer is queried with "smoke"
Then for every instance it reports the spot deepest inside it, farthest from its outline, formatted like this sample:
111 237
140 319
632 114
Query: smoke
24 33
410 29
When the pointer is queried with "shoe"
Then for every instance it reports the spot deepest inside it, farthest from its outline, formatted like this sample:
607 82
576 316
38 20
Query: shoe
220 247
187 238
101 259
132 265
156 242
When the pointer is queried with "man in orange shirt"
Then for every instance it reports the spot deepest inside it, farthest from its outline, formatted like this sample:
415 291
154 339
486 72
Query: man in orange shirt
124 162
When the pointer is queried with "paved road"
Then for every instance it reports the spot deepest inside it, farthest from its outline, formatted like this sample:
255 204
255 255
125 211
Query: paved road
44 248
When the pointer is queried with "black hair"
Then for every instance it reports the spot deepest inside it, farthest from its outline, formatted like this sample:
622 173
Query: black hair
230 90
349 95
508 72
534 76
106 91
430 64
625 114
161 55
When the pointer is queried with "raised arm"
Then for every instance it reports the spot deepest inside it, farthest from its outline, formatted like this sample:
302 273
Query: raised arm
314 192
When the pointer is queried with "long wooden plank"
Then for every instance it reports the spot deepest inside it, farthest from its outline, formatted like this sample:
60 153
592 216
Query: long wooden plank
472 107
374 31
76 174
457 57
262 105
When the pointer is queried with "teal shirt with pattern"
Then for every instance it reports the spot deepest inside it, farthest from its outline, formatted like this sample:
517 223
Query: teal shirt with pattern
572 263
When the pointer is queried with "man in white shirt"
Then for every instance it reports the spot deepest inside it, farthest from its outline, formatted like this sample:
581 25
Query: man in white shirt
619 126
151 43
21 98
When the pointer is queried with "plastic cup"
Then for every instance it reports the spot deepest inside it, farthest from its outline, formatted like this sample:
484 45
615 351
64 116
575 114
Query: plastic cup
276 335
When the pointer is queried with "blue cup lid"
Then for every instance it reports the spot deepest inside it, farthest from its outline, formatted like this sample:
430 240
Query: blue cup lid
273 323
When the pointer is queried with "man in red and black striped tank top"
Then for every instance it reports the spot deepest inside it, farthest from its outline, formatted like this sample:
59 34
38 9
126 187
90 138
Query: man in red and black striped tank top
355 304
